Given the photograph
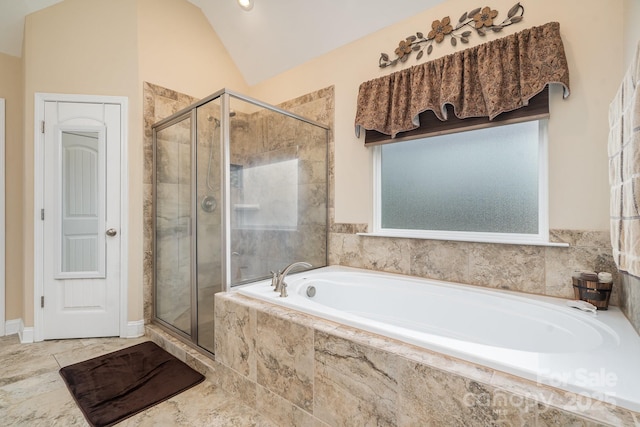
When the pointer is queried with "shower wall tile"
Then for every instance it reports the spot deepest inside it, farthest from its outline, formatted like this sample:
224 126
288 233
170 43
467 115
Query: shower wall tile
312 172
147 287
314 109
308 239
318 106
147 149
279 132
354 384
246 131
284 356
533 269
173 162
173 205
312 204
147 212
235 337
267 138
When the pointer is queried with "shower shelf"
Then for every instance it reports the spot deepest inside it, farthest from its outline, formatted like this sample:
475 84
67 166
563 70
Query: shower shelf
246 207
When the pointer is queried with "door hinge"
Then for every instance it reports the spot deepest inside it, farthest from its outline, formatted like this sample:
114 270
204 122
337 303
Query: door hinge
42 301
42 126
42 214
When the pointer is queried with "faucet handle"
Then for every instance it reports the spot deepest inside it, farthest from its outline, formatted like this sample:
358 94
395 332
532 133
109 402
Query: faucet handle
275 275
283 290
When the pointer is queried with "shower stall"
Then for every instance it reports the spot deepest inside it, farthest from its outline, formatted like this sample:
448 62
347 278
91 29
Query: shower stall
240 189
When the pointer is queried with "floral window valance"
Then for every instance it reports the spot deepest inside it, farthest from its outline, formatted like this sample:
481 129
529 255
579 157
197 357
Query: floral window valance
483 81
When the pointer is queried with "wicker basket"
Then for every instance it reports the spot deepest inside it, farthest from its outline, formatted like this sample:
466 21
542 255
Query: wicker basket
596 293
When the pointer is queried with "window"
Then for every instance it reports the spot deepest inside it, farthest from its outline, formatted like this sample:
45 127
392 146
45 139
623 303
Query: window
479 185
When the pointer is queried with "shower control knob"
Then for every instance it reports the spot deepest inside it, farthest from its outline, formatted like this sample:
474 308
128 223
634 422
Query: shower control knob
208 203
112 232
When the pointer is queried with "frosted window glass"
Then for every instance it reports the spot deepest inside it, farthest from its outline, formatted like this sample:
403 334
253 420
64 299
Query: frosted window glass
477 181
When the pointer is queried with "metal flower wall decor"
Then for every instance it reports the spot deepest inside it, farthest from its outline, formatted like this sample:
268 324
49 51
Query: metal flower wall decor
479 19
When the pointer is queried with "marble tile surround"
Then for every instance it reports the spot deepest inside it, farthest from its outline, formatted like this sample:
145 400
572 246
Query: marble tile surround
542 270
346 377
630 299
531 269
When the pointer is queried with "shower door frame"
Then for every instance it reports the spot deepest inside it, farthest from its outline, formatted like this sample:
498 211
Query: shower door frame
165 124
225 256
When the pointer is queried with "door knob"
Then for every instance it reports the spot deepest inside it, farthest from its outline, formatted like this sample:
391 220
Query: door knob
112 232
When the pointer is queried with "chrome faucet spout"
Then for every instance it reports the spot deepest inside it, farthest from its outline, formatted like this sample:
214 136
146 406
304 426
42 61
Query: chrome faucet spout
281 285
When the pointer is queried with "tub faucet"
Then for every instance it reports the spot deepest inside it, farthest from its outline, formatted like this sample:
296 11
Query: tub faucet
281 285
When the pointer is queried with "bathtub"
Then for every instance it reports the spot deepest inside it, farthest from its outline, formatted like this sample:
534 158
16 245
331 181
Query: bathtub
534 337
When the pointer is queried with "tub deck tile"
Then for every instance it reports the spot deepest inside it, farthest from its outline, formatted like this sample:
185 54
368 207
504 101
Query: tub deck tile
429 396
284 357
354 384
235 337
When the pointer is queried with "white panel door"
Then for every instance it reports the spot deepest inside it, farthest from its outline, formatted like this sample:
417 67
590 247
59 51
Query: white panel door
81 220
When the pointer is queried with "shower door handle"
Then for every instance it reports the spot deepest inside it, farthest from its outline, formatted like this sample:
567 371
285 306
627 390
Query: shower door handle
111 232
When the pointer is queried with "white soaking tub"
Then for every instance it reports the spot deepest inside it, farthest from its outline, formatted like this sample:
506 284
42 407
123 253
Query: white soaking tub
535 337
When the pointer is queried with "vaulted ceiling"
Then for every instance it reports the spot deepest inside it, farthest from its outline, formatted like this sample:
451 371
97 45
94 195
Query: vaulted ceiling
274 36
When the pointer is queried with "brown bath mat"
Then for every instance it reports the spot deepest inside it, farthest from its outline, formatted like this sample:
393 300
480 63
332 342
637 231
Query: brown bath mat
118 385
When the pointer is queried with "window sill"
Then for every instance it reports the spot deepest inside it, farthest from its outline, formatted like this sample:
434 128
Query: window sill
462 237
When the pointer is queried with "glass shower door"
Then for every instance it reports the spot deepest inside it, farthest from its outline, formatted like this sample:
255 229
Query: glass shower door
173 247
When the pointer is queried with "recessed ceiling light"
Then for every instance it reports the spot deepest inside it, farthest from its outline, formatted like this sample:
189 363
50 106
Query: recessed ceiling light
246 5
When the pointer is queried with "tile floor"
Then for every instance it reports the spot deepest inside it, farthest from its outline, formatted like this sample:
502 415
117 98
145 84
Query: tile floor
32 393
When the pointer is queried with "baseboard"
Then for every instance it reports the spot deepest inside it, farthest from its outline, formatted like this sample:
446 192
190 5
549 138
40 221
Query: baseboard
26 335
13 326
135 329
16 326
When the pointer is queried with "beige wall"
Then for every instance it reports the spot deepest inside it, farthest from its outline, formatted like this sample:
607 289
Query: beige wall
84 47
578 129
178 49
631 29
110 48
11 91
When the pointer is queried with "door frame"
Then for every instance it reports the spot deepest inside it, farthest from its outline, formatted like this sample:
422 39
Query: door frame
2 219
38 199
